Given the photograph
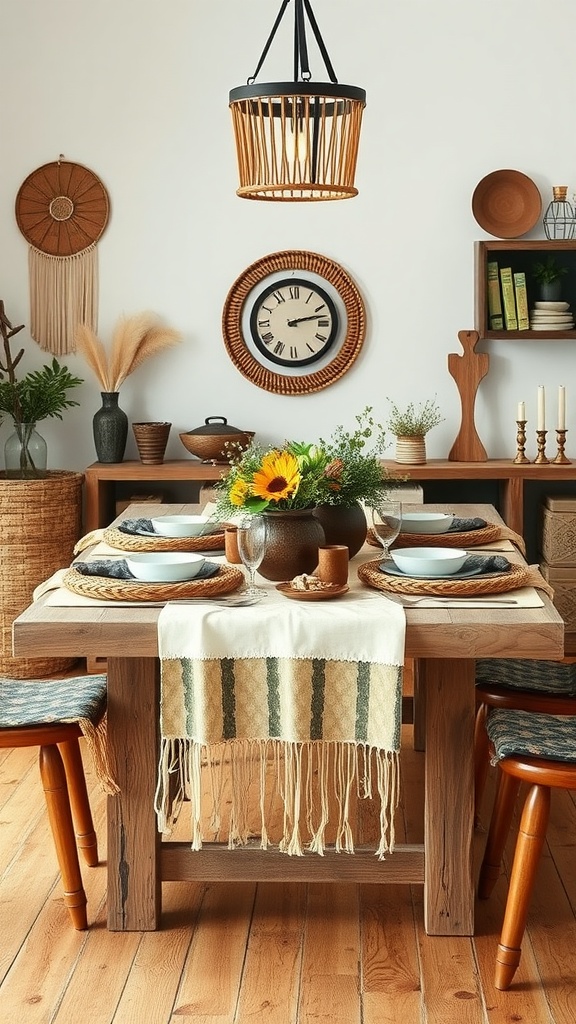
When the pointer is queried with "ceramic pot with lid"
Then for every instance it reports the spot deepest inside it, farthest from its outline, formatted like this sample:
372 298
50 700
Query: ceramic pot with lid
208 442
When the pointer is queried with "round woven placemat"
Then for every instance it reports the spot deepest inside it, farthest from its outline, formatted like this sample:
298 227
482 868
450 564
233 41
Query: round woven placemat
105 589
466 539
135 542
518 576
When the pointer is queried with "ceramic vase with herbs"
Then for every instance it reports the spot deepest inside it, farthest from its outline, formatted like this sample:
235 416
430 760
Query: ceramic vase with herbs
110 427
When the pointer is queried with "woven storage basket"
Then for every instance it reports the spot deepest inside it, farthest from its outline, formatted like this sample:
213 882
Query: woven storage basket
558 530
40 522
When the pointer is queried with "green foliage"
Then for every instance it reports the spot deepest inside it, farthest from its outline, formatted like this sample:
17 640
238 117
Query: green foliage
549 271
357 455
39 395
414 421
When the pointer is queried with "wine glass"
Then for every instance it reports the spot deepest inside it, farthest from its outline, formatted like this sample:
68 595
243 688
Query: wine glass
387 520
251 548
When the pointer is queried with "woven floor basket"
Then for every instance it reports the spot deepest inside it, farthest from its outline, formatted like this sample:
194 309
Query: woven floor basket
40 522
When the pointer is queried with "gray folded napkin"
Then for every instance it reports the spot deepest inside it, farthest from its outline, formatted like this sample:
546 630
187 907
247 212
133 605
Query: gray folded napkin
464 525
144 528
486 563
116 568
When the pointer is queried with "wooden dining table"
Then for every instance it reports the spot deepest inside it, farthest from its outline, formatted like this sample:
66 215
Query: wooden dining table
444 643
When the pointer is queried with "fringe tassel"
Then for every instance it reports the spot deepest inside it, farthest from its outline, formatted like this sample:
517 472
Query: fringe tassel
96 740
306 776
63 294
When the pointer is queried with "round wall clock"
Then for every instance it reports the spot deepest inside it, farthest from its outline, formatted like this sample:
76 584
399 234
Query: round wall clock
293 322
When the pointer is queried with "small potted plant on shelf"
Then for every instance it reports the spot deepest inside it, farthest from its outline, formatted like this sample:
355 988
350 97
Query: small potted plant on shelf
37 396
410 425
548 276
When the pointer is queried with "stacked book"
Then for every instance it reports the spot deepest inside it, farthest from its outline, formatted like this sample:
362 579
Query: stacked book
551 316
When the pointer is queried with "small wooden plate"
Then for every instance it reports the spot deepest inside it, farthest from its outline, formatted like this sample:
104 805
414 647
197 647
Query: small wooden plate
311 595
506 203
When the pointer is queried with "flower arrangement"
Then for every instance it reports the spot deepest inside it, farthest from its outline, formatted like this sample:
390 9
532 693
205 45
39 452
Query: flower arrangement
302 475
414 421
135 338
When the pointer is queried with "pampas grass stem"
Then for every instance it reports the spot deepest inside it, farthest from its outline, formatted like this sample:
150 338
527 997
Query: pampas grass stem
135 338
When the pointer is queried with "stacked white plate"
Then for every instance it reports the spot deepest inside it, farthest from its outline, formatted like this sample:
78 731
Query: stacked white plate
551 316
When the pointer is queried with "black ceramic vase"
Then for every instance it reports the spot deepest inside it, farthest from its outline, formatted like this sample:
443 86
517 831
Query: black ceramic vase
292 541
110 426
343 524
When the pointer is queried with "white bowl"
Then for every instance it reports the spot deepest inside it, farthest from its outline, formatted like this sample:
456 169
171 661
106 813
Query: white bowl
426 522
429 561
181 526
164 566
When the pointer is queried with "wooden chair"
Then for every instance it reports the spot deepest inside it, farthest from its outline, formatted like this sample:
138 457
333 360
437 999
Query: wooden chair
539 749
52 714
520 685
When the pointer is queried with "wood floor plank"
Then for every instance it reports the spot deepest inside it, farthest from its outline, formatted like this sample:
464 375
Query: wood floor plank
390 969
271 976
213 970
330 976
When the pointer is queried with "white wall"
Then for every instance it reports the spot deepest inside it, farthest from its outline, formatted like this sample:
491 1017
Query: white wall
137 90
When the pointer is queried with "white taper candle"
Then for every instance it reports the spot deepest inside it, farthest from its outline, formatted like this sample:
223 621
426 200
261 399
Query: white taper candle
541 425
561 407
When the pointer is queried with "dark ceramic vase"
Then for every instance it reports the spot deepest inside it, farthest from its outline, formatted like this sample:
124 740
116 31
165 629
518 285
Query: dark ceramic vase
343 524
110 426
292 541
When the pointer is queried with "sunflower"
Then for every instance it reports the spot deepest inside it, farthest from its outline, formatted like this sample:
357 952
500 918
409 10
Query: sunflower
239 491
277 478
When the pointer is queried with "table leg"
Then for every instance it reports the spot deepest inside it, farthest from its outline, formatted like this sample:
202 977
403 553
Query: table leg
449 799
134 889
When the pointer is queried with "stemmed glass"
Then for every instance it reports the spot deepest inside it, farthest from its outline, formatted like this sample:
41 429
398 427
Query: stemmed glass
387 520
251 548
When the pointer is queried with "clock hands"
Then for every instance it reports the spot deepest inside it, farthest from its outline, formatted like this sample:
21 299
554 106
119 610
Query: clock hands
292 323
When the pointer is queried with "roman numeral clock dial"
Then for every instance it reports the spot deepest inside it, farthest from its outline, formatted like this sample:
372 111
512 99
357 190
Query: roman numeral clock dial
293 322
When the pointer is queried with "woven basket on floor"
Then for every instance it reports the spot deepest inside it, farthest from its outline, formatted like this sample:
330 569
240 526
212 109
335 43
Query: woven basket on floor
40 522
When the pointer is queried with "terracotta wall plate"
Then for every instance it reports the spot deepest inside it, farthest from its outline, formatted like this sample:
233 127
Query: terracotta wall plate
506 203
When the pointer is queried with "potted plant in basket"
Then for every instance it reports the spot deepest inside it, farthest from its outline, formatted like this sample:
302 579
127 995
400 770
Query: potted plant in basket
410 425
38 395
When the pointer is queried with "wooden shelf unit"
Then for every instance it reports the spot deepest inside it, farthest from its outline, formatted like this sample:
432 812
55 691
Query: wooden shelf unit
521 256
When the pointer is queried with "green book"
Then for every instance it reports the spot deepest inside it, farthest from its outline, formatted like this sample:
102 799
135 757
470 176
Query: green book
521 301
508 299
495 317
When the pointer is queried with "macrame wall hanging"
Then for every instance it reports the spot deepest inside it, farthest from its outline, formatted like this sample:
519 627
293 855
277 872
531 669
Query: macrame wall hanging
62 210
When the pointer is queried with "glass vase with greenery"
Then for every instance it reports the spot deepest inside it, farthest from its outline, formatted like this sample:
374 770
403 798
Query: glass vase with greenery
39 395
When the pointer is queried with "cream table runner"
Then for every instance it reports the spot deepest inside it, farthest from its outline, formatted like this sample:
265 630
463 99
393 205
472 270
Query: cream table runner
317 686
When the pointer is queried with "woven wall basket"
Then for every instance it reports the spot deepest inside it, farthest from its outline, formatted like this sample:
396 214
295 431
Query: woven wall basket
41 522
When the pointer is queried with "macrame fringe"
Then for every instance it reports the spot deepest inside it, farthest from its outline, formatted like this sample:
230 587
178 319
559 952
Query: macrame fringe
96 741
63 294
331 769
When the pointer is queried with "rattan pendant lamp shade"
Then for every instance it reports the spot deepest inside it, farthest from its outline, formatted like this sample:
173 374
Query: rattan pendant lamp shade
298 140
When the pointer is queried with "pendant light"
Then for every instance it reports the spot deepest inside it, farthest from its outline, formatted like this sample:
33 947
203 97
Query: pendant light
297 141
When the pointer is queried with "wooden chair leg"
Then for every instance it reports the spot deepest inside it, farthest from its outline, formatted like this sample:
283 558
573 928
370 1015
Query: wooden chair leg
481 759
55 787
531 837
506 794
81 812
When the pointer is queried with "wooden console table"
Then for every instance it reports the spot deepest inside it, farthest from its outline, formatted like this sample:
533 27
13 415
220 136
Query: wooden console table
510 476
101 478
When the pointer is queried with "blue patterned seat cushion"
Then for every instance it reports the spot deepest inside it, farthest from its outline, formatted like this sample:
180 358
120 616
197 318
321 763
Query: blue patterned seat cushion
25 702
545 676
552 737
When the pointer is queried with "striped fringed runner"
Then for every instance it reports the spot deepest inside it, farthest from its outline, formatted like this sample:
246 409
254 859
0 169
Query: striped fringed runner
232 690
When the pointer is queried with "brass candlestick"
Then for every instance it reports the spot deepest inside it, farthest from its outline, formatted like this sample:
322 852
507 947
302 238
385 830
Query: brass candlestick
541 442
520 441
561 459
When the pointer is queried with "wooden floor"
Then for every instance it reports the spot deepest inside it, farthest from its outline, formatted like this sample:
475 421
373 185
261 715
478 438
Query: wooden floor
270 954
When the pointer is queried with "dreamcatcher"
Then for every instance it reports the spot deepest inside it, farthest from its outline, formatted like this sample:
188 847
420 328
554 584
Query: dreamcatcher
62 210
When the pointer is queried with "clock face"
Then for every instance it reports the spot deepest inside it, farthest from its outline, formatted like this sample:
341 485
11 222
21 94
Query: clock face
294 322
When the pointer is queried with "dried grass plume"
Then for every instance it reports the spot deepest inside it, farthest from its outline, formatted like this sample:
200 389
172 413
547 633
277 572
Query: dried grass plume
135 338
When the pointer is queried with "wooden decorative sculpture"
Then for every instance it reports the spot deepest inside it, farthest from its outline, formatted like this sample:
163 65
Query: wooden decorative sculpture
468 370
